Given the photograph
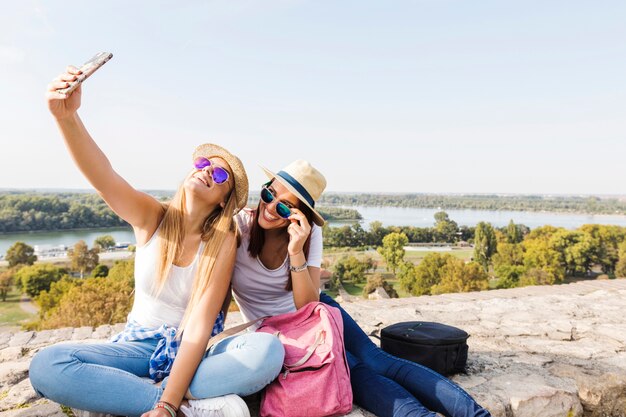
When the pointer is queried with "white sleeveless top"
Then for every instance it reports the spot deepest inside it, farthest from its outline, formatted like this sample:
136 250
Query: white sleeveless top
260 291
169 307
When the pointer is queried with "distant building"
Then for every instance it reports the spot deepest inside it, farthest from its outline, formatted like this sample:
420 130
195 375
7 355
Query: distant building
325 276
50 251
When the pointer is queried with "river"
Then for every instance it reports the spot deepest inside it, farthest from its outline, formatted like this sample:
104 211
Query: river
389 216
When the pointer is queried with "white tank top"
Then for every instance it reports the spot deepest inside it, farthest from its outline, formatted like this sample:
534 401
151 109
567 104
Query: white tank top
169 307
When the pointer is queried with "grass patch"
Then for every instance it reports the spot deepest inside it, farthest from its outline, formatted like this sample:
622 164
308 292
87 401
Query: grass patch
353 288
10 312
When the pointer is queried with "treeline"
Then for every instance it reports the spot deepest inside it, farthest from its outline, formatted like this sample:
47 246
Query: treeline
338 213
28 212
445 230
63 211
570 204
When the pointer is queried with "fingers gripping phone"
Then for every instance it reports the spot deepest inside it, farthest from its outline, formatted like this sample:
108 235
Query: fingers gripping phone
87 69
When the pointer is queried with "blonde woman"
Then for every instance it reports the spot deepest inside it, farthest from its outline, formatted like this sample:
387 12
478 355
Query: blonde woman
185 257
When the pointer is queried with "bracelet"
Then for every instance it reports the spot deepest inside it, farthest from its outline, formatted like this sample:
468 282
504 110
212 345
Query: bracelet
298 268
167 407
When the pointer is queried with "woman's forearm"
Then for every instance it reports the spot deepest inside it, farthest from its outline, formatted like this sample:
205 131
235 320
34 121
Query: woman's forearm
89 158
187 360
303 283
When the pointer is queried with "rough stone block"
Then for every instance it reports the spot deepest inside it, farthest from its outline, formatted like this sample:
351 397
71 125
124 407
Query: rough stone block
20 394
21 339
82 333
13 372
102 332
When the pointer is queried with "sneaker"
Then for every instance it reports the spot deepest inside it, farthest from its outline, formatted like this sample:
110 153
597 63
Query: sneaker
230 405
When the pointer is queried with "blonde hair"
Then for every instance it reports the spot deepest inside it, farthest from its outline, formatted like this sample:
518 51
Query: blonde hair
215 229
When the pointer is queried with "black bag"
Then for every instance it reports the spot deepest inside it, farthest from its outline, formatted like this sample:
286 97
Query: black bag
440 347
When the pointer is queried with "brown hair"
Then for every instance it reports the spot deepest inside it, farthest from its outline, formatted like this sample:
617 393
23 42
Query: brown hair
215 229
257 235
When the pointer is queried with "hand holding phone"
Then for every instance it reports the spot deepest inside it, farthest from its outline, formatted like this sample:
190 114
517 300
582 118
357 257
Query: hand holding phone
87 69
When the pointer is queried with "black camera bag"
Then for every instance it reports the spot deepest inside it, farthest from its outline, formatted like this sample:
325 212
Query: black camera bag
440 347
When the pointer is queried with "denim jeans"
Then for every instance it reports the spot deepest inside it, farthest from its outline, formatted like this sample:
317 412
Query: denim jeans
392 387
110 377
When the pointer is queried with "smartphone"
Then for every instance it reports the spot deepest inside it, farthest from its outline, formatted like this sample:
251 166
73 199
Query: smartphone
87 69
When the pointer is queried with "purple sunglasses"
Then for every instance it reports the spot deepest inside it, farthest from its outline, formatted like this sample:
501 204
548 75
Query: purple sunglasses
219 174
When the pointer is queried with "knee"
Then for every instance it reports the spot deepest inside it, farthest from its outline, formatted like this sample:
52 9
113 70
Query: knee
273 351
45 367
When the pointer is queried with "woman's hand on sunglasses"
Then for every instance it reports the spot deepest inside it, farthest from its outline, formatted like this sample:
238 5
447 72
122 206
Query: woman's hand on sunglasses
298 230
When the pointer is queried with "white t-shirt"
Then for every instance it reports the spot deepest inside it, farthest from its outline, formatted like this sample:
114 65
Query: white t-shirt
260 291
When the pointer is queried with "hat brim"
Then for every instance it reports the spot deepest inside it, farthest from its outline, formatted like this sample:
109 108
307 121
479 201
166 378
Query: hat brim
317 218
211 150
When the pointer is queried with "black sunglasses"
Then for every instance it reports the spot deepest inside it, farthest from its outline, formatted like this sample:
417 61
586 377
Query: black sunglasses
282 209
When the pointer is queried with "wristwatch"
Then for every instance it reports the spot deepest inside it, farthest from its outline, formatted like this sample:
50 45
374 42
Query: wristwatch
298 268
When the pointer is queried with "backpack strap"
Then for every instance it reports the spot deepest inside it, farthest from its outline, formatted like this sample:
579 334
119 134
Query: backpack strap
232 331
321 336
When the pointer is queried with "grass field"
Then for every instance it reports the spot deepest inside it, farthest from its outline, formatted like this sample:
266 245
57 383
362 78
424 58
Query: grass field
11 315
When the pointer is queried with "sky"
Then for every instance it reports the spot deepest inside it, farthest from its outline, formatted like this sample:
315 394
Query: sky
425 96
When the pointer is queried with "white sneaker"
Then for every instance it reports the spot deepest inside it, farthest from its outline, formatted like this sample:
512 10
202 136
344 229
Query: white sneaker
230 405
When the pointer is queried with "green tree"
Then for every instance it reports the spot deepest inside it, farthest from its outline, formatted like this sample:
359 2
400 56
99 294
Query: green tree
20 254
376 281
620 269
104 242
95 302
83 259
543 264
48 300
392 250
508 264
376 233
350 268
100 271
457 276
418 280
445 229
6 283
606 240
485 244
37 278
123 271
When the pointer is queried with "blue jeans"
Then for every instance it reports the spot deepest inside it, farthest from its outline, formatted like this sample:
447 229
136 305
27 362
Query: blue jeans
392 387
110 377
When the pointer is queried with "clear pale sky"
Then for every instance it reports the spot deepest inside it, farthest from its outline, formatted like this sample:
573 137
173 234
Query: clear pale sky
382 96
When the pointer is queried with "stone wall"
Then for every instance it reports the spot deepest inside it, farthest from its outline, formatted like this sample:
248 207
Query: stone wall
534 351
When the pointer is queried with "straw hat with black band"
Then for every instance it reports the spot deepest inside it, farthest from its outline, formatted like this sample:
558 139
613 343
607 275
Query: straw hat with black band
210 150
303 181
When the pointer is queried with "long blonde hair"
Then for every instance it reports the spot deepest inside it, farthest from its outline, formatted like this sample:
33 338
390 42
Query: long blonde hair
215 229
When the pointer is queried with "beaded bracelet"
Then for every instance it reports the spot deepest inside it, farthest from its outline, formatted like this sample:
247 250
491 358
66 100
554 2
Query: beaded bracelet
167 407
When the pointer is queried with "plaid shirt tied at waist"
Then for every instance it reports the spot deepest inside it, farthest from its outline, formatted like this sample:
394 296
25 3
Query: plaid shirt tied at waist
165 352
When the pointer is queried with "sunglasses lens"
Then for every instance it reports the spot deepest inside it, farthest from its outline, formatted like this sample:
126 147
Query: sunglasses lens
201 162
282 210
266 196
220 175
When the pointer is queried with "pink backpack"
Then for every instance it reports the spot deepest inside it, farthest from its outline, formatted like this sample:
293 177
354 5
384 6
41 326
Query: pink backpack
315 380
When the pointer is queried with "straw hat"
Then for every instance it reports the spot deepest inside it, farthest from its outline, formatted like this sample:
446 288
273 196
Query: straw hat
210 150
303 181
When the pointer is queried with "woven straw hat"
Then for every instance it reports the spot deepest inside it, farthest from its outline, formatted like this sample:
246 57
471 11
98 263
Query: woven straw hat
210 150
303 181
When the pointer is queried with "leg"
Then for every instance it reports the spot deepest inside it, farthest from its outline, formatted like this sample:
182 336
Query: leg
239 365
435 391
382 396
104 378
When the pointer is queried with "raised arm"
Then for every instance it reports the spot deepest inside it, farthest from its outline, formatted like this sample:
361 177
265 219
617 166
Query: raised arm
142 211
200 324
